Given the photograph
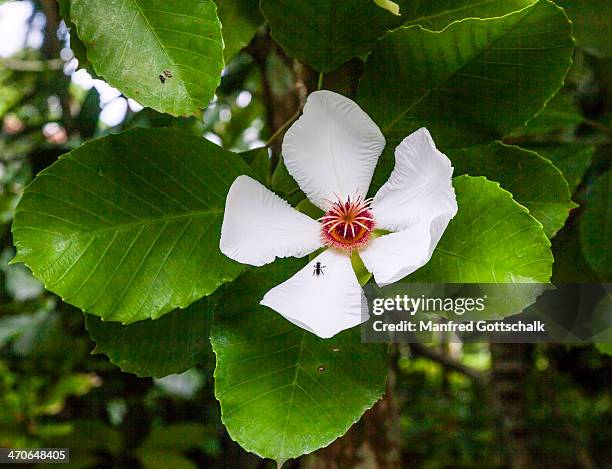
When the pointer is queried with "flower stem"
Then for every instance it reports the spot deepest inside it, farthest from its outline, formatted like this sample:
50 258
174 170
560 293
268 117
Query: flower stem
283 127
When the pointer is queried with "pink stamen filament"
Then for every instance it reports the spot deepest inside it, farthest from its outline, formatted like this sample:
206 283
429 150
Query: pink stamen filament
347 225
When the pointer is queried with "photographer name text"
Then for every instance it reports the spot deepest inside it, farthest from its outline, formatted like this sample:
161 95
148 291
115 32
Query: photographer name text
452 326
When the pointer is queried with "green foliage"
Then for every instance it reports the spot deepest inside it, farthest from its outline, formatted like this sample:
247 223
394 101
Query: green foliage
605 348
239 19
130 238
596 227
165 55
533 181
437 14
172 344
455 82
78 48
284 391
573 159
570 265
127 227
492 239
89 114
89 438
165 446
13 326
446 422
283 183
56 395
592 19
326 33
560 113
602 320
361 272
13 87
259 160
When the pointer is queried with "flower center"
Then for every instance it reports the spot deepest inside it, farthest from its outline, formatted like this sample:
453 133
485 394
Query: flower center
348 225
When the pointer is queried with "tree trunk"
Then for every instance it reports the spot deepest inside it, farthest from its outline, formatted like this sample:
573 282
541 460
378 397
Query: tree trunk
282 103
508 378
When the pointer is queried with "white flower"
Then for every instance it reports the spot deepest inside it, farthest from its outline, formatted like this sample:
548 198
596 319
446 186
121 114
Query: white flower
331 151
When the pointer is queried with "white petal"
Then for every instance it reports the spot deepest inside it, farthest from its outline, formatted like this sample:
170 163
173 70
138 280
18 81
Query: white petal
332 149
322 304
393 256
420 186
259 226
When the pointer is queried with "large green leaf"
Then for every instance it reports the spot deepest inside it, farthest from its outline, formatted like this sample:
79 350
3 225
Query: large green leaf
239 19
131 43
592 19
127 227
533 181
560 113
492 239
283 183
284 391
570 264
469 84
573 159
172 344
282 180
327 33
437 14
596 227
259 160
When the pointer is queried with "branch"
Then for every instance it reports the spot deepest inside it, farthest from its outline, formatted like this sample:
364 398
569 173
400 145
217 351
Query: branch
283 127
446 361
283 107
19 65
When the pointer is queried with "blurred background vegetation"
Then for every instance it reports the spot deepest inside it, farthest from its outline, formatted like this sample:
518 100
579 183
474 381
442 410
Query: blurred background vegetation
551 403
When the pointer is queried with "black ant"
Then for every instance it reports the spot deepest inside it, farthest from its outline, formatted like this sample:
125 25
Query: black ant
318 269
